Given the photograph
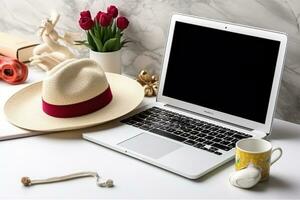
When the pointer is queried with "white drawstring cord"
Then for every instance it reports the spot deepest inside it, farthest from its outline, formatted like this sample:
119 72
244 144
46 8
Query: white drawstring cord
101 183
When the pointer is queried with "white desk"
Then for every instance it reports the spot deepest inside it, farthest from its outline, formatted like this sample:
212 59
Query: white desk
63 153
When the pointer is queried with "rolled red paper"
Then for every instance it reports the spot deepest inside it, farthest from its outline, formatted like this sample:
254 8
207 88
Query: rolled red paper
12 71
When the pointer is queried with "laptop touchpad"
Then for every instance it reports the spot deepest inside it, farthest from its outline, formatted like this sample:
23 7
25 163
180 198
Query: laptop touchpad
150 145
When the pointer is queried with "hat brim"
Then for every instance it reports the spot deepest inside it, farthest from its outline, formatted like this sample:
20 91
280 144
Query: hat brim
24 108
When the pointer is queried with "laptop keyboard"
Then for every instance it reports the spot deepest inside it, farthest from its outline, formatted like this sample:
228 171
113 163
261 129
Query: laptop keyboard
193 132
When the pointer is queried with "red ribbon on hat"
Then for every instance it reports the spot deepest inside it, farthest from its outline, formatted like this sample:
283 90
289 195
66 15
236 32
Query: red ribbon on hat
78 109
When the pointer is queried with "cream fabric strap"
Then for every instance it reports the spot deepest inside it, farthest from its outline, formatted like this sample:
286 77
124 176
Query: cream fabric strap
100 182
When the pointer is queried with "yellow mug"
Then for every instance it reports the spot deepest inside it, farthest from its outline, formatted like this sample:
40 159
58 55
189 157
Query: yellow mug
258 152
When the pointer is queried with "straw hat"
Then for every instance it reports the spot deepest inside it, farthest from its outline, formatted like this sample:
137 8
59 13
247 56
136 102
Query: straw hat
75 94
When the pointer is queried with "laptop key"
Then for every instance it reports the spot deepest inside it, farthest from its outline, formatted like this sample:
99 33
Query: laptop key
137 124
206 131
184 129
194 132
142 116
192 137
213 133
199 145
204 148
217 140
138 119
171 130
237 136
191 126
220 136
168 135
214 148
198 129
145 127
207 142
190 142
218 153
220 146
201 135
231 145
225 142
230 133
234 140
207 126
228 138
200 140
177 132
213 129
209 137
186 135
130 122
210 150
221 131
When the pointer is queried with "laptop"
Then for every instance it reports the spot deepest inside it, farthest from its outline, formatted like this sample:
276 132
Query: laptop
219 84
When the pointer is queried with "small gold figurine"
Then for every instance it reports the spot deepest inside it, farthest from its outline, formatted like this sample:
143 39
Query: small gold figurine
149 82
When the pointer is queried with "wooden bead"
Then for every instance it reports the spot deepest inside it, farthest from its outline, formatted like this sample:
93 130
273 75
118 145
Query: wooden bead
26 181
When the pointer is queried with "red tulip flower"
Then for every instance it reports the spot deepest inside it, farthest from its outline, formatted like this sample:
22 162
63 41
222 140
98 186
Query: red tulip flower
105 19
113 11
85 13
97 18
86 23
122 23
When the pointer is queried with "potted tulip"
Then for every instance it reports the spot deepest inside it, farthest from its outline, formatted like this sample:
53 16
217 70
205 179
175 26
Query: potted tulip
104 37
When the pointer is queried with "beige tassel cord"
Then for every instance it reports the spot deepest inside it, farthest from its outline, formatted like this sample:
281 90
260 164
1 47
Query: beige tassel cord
101 183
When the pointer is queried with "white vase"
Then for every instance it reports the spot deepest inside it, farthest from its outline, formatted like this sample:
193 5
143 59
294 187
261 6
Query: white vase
109 61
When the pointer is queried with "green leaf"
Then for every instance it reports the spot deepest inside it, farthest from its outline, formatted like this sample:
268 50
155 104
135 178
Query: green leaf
109 33
97 31
101 34
114 28
79 42
118 44
112 44
97 41
91 42
118 33
97 25
89 46
124 42
105 35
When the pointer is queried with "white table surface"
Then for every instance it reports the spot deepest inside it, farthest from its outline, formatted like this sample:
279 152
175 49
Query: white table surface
63 153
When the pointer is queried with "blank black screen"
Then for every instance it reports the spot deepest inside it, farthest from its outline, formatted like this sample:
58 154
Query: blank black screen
221 70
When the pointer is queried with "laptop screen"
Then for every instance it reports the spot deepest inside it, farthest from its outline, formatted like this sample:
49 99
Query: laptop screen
224 71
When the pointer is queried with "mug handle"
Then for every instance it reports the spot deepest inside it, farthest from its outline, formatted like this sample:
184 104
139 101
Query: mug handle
279 155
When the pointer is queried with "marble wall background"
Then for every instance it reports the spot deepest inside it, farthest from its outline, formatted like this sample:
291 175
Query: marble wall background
148 29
